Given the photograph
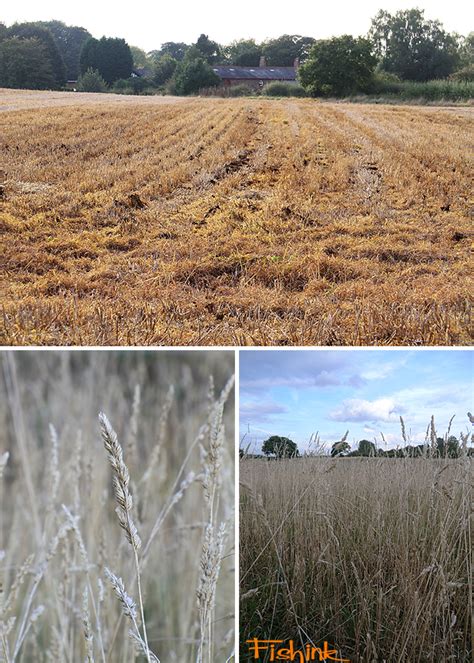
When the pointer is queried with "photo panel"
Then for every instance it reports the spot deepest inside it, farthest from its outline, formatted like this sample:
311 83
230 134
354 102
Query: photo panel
117 506
356 474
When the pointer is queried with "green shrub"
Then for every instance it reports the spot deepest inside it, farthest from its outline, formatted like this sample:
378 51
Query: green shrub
241 91
122 90
133 85
284 90
297 91
276 90
384 82
122 84
91 81
437 90
449 89
464 75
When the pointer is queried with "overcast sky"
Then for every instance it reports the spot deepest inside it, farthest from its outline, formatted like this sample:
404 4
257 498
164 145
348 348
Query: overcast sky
299 393
148 24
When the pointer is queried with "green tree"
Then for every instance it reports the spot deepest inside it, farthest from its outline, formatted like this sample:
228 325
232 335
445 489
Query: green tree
210 50
91 81
466 50
24 63
176 49
449 448
465 73
140 58
69 40
366 448
243 53
193 75
340 448
43 35
412 47
3 31
453 448
281 447
339 66
164 69
283 51
112 58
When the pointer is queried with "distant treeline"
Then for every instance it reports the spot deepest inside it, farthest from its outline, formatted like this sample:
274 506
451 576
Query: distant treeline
441 447
402 55
278 447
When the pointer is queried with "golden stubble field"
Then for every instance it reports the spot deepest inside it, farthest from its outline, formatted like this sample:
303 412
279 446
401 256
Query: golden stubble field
214 221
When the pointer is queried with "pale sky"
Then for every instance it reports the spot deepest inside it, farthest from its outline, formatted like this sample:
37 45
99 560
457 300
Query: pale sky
148 24
297 393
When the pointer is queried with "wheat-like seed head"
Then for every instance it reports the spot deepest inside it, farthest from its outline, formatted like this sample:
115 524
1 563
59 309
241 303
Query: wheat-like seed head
141 646
433 434
21 575
210 564
121 482
54 464
86 625
129 607
404 433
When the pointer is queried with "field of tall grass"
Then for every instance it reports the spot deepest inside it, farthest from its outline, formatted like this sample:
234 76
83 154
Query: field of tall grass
430 91
373 556
234 222
116 529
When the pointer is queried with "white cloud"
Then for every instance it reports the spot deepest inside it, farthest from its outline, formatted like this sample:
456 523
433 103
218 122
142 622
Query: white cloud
321 379
358 410
370 429
261 412
382 369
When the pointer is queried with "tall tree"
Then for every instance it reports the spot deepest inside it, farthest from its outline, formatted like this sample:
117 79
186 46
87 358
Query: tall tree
339 66
413 47
44 35
112 58
192 75
449 448
211 51
25 63
164 69
283 51
465 72
244 53
340 448
69 40
140 58
366 448
466 50
176 49
281 447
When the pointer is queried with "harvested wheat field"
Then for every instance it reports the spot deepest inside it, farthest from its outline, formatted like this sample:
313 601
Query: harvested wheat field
26 99
116 530
214 221
372 556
